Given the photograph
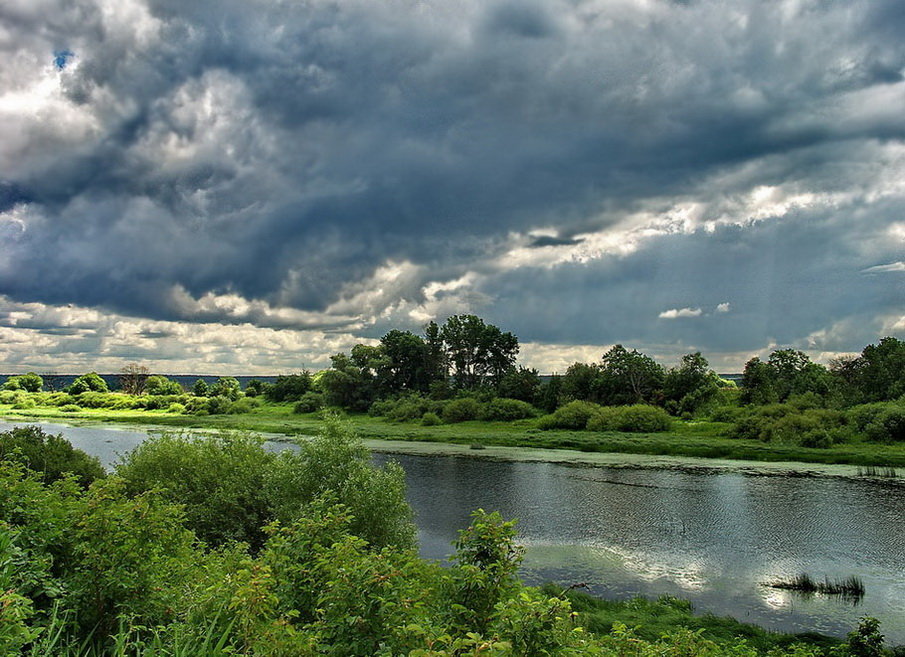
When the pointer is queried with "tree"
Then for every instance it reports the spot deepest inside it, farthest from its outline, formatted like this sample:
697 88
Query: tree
692 384
346 384
226 386
787 372
520 383
91 382
629 377
50 454
881 370
30 382
132 378
200 388
161 385
582 382
406 364
478 352
288 387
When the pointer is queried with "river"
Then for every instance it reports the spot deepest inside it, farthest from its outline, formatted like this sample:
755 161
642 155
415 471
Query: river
711 537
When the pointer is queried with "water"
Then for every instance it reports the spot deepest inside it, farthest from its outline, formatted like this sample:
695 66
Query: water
712 538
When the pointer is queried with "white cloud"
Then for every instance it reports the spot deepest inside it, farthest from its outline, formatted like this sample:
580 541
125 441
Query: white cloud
723 307
877 269
675 313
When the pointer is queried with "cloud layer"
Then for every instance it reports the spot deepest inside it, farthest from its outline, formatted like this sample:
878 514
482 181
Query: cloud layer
716 176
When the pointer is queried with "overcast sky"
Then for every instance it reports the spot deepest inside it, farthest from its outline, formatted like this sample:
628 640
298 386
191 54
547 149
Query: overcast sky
247 186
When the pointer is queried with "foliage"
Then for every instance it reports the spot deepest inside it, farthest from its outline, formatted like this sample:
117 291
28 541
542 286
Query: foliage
787 372
226 386
462 409
866 640
430 419
51 455
574 415
520 383
288 387
220 479
30 382
200 388
628 377
310 402
477 351
91 382
637 418
507 410
161 385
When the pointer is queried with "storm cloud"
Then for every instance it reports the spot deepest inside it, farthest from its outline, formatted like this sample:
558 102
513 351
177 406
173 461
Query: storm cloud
716 176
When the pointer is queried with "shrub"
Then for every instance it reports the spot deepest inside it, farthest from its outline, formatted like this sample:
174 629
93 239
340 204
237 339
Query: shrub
226 386
642 418
605 418
431 419
289 387
888 425
219 405
244 405
200 388
310 402
574 415
507 410
161 385
461 410
50 454
176 407
12 396
30 382
91 382
24 403
70 408
97 399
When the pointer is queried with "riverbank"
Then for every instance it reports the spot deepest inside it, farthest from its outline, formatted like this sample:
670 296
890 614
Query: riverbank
481 440
686 439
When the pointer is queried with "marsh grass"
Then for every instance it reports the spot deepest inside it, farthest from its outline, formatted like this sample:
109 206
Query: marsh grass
849 587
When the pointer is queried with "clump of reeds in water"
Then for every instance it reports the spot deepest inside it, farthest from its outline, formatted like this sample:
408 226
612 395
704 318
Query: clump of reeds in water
849 587
875 471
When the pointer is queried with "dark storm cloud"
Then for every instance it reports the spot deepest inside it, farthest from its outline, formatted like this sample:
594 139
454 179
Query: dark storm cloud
283 151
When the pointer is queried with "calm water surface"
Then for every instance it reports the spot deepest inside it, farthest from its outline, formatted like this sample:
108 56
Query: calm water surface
712 538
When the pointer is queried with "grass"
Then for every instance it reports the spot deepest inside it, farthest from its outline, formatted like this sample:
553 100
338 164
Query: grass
850 587
687 438
653 618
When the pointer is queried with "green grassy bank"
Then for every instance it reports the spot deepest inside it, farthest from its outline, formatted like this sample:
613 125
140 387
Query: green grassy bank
701 439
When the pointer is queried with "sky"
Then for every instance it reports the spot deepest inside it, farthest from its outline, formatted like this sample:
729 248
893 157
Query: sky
249 186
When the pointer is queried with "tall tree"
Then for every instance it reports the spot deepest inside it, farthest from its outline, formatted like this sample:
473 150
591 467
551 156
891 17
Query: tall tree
132 378
478 352
629 377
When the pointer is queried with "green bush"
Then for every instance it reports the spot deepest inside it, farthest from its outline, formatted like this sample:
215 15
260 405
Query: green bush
12 396
24 403
70 408
431 419
888 425
461 410
219 405
50 454
574 416
30 382
507 410
244 405
97 399
161 385
226 386
176 408
642 418
310 402
91 382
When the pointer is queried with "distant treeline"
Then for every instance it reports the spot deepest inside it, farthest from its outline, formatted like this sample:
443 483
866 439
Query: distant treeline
467 369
